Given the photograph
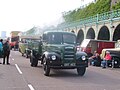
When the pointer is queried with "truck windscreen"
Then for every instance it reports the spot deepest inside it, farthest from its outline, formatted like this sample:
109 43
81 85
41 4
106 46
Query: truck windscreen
61 39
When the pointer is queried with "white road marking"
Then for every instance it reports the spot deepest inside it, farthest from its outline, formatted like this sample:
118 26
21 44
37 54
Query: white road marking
18 69
31 87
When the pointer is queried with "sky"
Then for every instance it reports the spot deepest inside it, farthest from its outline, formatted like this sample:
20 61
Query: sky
22 15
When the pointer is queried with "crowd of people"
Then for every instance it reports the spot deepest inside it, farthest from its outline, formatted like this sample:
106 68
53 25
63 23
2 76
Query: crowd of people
95 59
4 51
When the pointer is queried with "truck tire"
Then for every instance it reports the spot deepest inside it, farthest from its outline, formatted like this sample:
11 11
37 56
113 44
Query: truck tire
26 55
81 71
116 62
46 67
33 61
22 54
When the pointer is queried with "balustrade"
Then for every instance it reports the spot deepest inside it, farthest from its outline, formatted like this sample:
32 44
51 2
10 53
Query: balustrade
111 15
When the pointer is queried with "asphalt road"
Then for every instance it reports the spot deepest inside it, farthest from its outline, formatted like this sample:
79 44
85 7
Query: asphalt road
19 75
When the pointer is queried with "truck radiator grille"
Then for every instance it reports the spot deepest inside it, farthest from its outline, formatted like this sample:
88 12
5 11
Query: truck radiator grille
69 53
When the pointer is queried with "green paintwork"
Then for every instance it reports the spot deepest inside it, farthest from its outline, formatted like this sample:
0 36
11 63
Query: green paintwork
22 47
60 49
60 43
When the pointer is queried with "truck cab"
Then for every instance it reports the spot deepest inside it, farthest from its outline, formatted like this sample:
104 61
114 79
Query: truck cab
57 50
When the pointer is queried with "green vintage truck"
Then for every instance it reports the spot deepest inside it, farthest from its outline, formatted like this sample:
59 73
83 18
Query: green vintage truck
58 50
25 45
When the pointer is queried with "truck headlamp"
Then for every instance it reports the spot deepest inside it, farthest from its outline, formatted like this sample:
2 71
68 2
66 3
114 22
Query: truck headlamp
53 57
83 58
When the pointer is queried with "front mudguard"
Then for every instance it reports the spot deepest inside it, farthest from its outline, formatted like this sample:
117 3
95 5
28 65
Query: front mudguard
48 55
79 61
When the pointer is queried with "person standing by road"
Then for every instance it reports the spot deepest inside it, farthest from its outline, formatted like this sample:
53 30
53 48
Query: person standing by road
1 48
6 52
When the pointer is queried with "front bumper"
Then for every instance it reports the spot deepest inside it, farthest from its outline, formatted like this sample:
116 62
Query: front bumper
68 65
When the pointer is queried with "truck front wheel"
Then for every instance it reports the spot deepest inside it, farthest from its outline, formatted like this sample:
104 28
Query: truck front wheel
22 54
46 67
81 71
26 55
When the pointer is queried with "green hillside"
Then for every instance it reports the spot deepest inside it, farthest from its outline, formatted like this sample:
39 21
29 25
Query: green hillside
100 6
117 6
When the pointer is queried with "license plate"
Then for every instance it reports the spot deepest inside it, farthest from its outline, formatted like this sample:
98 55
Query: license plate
69 64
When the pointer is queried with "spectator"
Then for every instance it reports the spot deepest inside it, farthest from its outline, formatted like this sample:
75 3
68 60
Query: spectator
92 57
96 60
6 52
1 48
1 44
106 60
